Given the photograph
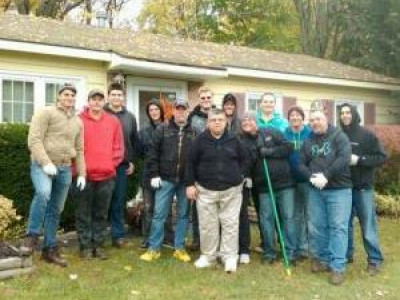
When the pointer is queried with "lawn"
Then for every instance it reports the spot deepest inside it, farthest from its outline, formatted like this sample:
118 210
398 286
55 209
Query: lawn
124 276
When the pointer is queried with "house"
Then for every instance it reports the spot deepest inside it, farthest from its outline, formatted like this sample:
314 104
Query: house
37 55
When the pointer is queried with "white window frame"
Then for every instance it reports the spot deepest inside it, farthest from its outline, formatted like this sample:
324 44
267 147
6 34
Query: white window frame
359 105
39 84
278 96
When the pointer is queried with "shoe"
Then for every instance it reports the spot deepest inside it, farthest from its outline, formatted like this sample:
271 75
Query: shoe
144 244
230 265
195 246
258 249
373 269
168 244
244 259
336 278
203 262
150 255
181 255
100 253
28 245
318 267
86 254
52 256
119 243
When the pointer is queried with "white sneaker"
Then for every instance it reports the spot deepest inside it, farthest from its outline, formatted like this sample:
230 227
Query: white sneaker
244 259
230 264
203 262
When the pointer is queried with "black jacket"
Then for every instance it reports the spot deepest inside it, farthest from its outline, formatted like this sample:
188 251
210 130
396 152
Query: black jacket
327 153
198 120
168 151
275 149
129 129
366 145
216 164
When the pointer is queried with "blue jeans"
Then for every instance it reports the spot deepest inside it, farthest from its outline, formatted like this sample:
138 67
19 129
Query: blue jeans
285 206
117 205
301 218
364 209
163 199
48 202
328 227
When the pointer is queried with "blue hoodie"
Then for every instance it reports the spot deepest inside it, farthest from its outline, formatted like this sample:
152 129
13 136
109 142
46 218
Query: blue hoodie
277 122
297 139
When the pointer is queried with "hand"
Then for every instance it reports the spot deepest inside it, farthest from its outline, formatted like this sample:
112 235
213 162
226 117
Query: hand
318 180
192 192
81 183
354 160
50 169
248 182
265 151
156 182
130 170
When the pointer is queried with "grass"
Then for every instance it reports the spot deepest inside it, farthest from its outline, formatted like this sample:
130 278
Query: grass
124 276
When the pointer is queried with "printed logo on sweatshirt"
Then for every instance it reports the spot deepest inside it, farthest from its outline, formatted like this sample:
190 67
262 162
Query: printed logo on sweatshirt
321 151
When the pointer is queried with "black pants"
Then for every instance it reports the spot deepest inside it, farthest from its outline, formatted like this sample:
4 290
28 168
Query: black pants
92 213
256 201
244 224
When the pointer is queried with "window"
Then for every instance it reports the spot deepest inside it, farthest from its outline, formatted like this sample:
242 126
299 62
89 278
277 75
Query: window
51 92
359 105
17 104
253 101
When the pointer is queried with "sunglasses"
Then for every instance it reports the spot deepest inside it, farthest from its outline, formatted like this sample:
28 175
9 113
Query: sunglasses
204 98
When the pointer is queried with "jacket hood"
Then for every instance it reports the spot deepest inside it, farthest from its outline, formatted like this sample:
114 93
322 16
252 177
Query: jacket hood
156 103
229 97
355 118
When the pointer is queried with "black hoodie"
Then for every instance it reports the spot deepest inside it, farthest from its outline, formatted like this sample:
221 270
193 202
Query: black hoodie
366 145
234 124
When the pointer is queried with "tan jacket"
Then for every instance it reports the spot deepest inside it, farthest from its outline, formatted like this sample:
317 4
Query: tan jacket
56 136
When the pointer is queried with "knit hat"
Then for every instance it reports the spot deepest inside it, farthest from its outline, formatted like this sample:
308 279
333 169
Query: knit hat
297 109
229 98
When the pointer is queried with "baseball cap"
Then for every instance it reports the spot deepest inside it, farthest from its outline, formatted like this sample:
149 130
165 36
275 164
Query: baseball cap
66 86
95 92
180 102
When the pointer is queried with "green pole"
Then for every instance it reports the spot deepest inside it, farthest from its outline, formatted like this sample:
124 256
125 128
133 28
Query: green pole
278 224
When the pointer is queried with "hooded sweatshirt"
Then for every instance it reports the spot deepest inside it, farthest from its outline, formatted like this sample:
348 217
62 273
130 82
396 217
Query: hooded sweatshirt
104 147
276 122
198 120
233 124
366 145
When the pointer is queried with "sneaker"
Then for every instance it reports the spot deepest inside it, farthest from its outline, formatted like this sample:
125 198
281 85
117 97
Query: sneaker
230 265
150 255
244 259
203 262
336 278
120 243
181 255
258 249
86 254
373 269
28 245
100 253
318 267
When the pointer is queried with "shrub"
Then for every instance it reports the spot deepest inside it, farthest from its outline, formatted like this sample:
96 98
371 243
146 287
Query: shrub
388 205
9 220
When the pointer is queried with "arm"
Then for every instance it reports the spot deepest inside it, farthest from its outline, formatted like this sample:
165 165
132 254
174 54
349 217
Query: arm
37 131
153 158
134 139
342 155
304 160
376 156
280 148
191 160
118 145
79 147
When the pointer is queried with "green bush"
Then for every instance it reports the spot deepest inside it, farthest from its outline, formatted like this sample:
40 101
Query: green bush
15 182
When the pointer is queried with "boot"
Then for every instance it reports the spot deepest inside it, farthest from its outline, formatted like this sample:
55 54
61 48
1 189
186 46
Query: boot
28 245
52 255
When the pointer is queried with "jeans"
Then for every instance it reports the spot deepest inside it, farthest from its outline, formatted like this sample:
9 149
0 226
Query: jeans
48 202
364 209
285 206
301 218
117 205
244 224
91 214
328 227
163 200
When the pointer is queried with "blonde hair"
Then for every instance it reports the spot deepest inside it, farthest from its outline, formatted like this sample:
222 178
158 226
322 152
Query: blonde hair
204 89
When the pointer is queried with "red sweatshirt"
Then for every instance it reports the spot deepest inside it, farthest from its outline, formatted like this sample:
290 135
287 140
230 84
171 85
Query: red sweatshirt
103 145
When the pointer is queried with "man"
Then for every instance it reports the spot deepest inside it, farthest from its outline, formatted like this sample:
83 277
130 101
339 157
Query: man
166 165
324 161
215 180
267 116
104 151
229 106
116 107
55 138
367 155
198 122
296 133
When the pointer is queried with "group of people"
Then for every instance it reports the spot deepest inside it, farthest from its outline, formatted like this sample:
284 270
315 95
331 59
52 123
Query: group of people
213 163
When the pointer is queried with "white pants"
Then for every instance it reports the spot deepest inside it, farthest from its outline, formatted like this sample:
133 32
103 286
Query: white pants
219 211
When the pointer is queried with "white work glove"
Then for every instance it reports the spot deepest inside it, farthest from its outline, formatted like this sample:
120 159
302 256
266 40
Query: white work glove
50 169
156 182
139 195
318 180
81 183
354 160
248 182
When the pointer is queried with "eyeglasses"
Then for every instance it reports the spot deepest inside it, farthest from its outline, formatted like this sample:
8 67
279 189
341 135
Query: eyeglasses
219 120
204 98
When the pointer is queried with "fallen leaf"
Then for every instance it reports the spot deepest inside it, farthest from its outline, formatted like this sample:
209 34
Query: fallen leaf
379 293
128 268
73 276
133 292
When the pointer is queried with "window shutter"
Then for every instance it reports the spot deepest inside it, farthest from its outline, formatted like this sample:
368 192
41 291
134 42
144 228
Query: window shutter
240 103
287 102
369 113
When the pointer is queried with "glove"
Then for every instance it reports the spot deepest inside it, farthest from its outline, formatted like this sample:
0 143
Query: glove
139 195
354 160
265 151
248 182
318 180
81 183
50 169
156 182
